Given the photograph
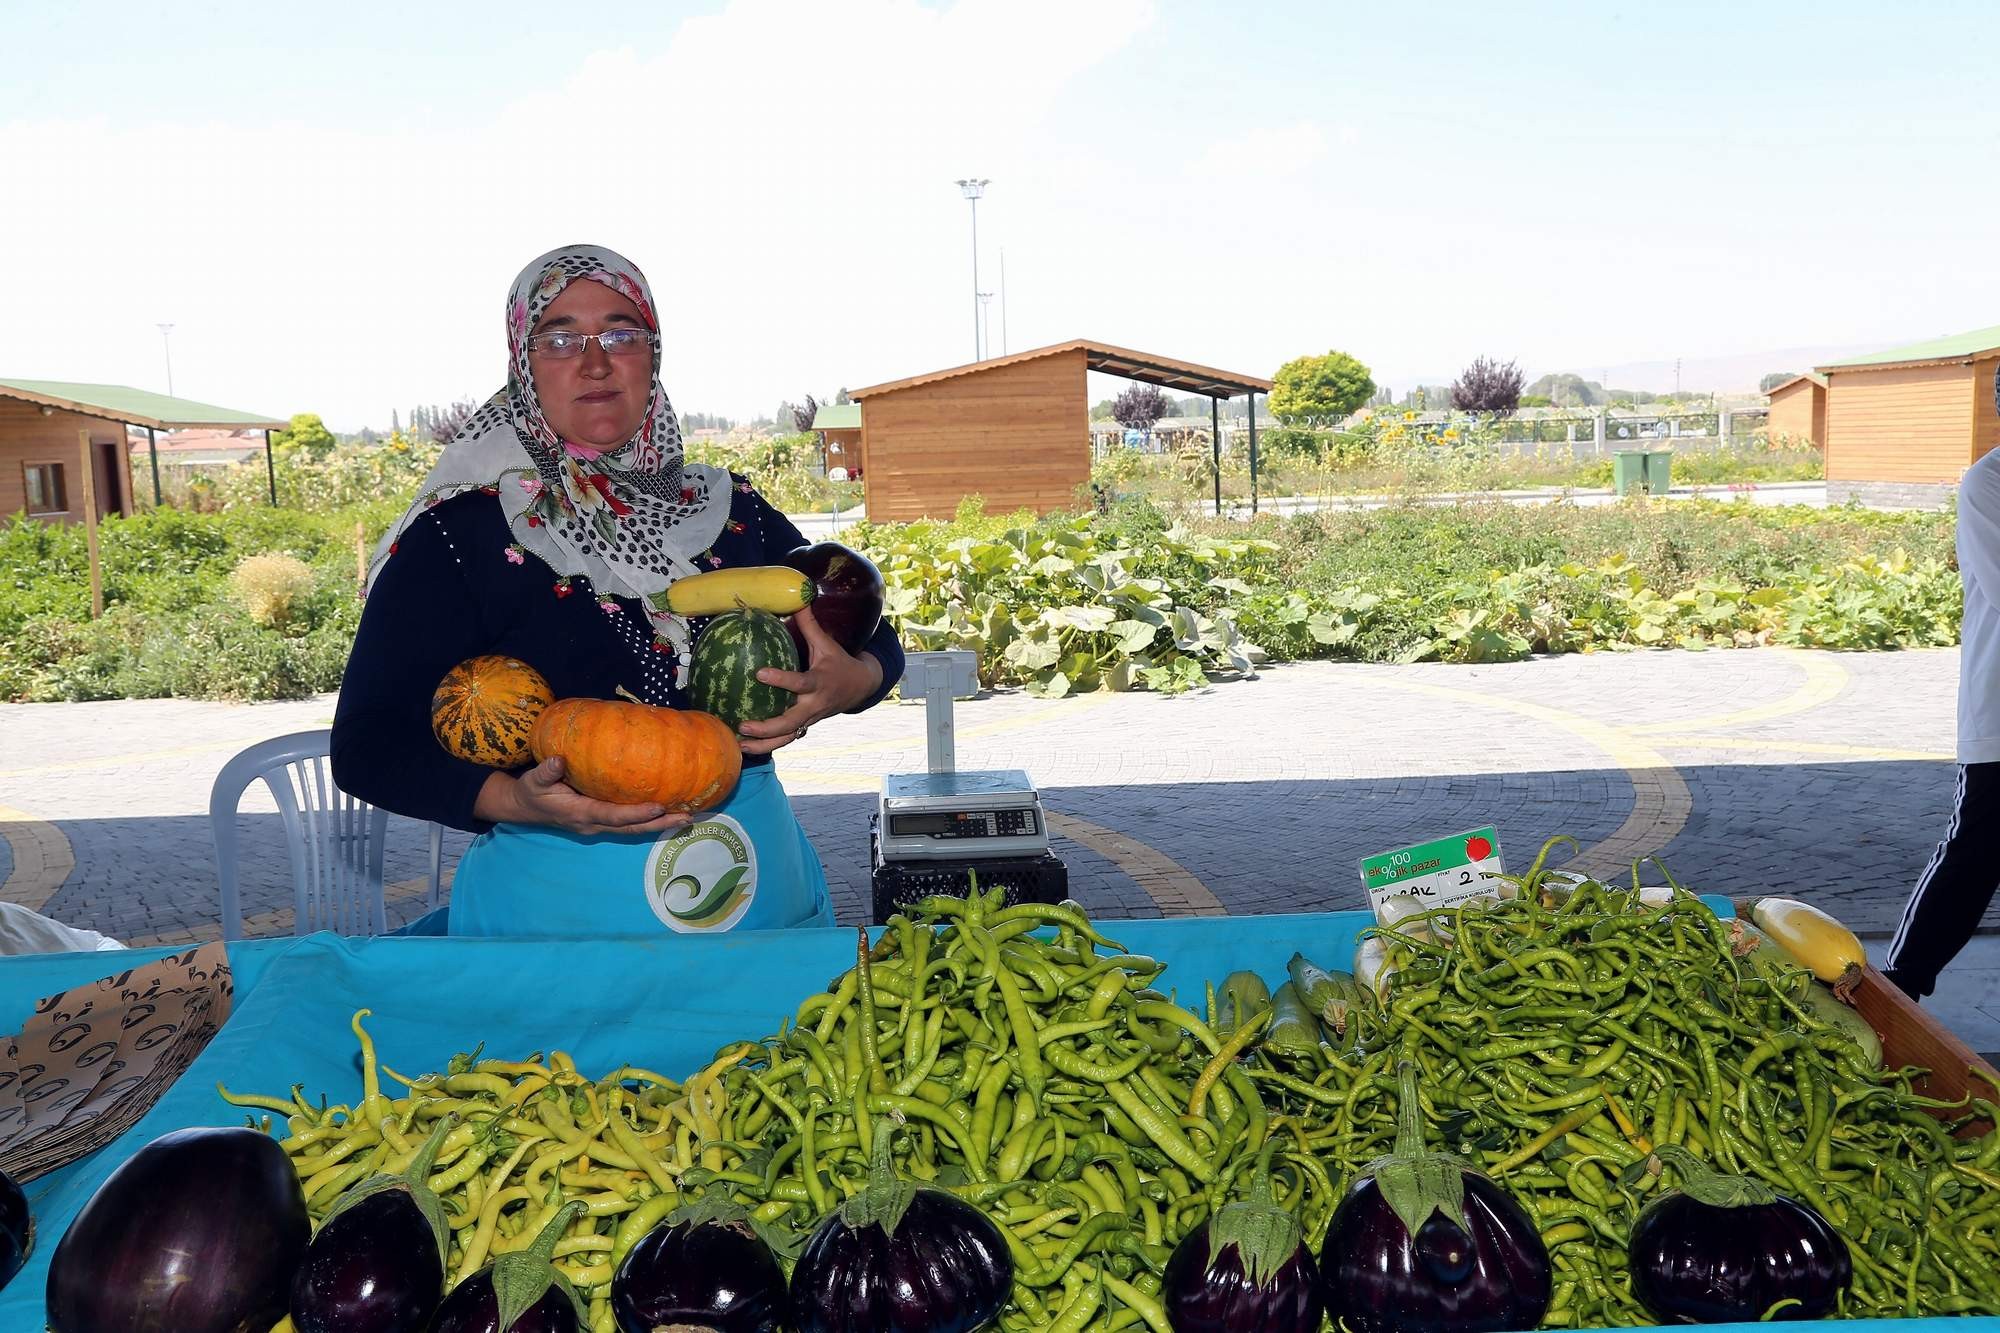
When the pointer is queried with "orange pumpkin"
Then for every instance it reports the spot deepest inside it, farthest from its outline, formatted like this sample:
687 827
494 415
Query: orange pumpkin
633 753
485 707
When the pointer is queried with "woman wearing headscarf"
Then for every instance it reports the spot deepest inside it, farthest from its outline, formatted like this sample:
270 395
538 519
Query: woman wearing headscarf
549 531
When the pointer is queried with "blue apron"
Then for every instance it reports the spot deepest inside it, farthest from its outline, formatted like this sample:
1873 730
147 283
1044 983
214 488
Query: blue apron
745 865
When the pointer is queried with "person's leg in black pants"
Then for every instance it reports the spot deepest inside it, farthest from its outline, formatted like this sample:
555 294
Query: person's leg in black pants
1955 888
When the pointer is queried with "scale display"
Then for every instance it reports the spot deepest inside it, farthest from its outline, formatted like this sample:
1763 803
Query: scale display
960 815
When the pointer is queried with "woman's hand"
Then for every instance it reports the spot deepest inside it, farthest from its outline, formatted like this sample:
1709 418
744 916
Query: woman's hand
834 681
540 796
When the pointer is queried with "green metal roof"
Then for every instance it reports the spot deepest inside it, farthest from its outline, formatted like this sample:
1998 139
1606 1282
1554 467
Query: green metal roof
1937 349
838 416
119 402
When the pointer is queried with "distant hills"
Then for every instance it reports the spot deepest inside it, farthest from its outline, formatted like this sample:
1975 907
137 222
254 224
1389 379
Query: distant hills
1739 373
1647 381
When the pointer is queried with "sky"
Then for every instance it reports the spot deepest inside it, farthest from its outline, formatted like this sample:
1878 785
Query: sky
329 202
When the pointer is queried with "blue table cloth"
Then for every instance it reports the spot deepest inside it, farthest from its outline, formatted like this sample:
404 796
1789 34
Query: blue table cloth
667 1004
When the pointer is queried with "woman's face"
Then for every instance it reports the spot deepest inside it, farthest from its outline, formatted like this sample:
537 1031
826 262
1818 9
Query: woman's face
594 399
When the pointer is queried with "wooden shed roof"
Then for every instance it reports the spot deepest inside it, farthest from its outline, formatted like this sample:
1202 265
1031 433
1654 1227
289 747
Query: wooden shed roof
136 407
1782 386
1958 347
1168 373
837 416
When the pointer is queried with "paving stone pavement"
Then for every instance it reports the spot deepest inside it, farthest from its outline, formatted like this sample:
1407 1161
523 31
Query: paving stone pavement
1818 774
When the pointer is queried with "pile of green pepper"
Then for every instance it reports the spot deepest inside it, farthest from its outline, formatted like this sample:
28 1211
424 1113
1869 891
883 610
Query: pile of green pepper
1030 1065
1096 1120
1560 1044
1033 1068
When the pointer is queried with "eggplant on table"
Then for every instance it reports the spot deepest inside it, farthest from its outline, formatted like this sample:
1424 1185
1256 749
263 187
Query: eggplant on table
519 1292
1727 1249
197 1232
17 1229
1248 1267
901 1258
707 1266
1425 1244
376 1264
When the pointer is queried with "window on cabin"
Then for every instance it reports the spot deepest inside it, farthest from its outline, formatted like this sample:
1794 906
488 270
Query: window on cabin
46 492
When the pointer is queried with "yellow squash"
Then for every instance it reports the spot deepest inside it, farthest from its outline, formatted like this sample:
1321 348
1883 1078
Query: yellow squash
1818 942
778 589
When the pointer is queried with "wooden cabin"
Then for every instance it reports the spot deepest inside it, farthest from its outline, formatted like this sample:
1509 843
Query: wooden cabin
1798 410
839 428
42 453
1013 430
1903 425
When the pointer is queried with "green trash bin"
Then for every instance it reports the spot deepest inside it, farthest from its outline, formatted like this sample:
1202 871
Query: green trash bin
1628 472
1660 471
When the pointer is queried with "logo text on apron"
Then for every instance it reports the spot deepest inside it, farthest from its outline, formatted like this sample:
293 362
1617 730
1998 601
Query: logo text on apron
702 878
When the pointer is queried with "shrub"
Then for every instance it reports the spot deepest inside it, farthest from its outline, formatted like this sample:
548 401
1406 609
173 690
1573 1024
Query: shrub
271 588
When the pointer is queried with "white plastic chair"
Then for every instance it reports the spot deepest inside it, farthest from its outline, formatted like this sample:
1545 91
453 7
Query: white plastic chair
336 841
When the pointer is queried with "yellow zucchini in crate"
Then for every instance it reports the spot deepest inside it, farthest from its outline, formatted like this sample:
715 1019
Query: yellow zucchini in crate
1819 943
778 589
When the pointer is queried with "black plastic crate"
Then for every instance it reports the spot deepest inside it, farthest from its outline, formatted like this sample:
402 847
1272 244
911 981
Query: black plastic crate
1027 879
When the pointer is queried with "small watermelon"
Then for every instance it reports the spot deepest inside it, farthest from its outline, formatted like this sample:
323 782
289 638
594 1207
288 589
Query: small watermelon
727 657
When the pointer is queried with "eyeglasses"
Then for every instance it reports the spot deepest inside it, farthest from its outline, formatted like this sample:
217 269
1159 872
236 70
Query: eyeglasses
563 344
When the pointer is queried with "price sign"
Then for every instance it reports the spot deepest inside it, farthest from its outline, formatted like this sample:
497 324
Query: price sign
1443 873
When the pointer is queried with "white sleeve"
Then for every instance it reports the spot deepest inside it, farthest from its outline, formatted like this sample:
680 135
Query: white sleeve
1979 526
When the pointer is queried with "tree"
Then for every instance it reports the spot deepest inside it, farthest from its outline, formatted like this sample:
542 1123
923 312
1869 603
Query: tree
1101 411
452 420
1536 400
1568 390
802 416
1319 390
395 422
306 434
842 399
1140 406
1774 379
1488 386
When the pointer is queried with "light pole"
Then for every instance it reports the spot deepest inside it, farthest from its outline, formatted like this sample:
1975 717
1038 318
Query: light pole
166 345
972 189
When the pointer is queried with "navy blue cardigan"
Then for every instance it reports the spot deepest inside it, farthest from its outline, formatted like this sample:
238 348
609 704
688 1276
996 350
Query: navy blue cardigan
456 587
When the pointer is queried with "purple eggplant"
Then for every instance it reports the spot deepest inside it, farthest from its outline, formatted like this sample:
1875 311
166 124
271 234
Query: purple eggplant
1424 1244
17 1229
199 1231
1248 1267
900 1258
704 1267
520 1292
848 599
1728 1249
376 1264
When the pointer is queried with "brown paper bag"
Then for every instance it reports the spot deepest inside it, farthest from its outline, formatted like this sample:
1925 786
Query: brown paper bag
92 1060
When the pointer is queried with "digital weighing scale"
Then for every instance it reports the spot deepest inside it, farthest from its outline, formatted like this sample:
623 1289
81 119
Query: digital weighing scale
932 832
960 816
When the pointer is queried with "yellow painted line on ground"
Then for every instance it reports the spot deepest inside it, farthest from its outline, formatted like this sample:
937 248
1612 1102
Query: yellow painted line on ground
282 921
1075 703
1172 886
42 857
1802 747
1824 681
1661 802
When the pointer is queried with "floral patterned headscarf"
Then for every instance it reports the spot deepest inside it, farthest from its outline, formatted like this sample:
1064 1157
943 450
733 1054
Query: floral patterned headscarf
630 520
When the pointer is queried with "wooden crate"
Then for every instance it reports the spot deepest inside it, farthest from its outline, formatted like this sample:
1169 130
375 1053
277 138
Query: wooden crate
1910 1036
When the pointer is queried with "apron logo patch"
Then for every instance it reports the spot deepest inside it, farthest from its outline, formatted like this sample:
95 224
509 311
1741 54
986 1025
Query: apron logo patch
702 878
